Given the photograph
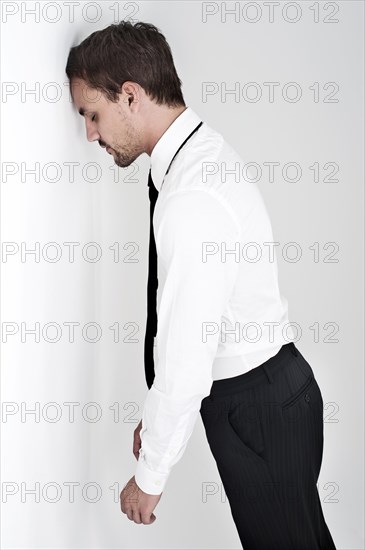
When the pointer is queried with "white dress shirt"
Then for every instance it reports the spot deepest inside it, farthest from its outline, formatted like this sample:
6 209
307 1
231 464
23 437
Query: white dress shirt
220 311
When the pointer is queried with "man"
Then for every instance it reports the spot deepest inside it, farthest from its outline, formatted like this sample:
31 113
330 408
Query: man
223 345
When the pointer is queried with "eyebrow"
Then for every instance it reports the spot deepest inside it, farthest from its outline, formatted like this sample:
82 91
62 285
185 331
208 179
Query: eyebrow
83 111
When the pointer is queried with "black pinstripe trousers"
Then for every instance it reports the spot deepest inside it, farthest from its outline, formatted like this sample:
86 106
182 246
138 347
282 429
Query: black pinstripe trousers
265 431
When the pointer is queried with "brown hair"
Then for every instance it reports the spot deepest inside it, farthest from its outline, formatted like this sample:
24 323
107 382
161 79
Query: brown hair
137 52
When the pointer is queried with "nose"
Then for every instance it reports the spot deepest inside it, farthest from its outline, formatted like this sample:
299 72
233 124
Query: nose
91 133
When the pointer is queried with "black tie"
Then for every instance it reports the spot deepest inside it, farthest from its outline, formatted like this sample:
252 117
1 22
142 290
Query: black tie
152 284
151 326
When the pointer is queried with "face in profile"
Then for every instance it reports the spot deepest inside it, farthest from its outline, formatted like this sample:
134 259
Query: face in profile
113 125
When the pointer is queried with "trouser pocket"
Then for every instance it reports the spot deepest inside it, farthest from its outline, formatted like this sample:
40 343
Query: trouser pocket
302 392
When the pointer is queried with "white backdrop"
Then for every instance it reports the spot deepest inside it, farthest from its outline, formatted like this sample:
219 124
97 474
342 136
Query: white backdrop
73 315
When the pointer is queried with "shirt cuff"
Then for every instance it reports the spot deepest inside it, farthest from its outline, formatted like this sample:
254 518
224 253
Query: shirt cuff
152 483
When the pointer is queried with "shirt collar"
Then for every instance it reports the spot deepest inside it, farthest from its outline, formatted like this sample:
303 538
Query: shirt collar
169 142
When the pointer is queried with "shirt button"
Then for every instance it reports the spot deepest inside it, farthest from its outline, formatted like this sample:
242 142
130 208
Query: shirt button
158 482
307 397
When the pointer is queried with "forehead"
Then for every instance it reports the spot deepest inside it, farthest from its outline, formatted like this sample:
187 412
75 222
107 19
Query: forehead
84 97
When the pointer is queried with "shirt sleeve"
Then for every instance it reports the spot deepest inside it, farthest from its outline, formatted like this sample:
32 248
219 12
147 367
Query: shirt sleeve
193 240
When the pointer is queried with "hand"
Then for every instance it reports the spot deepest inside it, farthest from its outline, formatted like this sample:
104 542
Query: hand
137 504
137 440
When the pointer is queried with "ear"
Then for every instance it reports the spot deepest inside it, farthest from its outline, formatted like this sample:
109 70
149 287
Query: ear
131 91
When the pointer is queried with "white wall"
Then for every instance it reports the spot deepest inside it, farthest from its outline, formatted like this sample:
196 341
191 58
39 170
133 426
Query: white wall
43 128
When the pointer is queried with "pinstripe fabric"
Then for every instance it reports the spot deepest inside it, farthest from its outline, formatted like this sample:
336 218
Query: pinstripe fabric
265 431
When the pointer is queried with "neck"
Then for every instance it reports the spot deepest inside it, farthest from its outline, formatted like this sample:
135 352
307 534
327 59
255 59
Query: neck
161 119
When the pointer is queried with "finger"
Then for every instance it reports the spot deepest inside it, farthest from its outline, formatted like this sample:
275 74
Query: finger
129 512
136 516
122 507
148 518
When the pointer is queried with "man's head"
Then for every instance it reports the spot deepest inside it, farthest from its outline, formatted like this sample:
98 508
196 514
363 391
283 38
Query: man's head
124 82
